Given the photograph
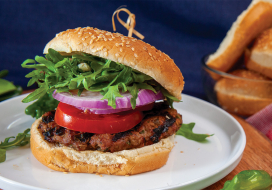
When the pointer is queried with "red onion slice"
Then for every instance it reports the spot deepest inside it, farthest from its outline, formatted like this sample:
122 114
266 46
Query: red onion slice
89 99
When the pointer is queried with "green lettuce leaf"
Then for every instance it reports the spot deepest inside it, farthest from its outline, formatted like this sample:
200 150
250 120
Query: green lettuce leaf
186 130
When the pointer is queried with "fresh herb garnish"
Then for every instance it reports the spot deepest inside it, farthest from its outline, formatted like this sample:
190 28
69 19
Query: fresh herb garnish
249 180
44 104
21 139
64 73
186 130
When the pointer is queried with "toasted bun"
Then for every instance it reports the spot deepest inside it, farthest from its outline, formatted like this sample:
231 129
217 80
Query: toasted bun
260 56
125 50
126 162
244 97
255 19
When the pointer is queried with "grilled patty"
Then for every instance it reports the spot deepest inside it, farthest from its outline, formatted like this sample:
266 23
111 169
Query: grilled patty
158 123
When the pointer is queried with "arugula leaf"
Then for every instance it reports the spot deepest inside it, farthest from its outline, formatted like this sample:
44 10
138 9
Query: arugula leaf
55 56
21 139
170 98
38 93
111 94
250 180
44 104
47 63
186 130
134 92
2 155
62 73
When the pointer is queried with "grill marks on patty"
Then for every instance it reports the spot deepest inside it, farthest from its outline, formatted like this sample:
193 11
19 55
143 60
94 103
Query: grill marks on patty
159 123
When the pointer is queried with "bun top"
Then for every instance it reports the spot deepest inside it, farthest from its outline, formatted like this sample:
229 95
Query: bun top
122 49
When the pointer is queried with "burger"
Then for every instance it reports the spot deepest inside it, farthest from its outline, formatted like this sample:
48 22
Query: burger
115 113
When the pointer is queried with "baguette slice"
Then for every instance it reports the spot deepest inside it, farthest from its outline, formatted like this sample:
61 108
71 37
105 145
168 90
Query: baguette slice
244 97
260 54
126 162
255 19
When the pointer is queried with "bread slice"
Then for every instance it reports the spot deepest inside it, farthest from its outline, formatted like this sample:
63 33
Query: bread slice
255 19
126 162
125 50
260 54
244 97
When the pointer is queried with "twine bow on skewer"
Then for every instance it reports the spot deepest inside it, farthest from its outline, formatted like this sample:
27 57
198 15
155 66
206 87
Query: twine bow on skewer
130 22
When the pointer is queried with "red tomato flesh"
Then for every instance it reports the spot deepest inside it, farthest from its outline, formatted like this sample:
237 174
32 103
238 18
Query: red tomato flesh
75 119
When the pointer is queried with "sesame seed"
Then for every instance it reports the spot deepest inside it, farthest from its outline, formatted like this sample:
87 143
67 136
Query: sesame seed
121 50
152 58
117 44
83 39
100 48
134 40
85 44
135 55
127 42
108 33
117 54
91 41
132 48
105 53
150 54
110 39
128 45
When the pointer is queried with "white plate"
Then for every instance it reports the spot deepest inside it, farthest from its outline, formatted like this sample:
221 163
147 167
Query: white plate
191 165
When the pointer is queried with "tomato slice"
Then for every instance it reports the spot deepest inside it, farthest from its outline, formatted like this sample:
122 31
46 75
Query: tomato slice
75 119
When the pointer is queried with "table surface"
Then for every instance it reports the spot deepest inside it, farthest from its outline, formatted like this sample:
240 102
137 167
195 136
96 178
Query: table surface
257 154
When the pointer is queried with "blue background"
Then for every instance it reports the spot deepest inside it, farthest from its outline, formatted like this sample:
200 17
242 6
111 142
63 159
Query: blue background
186 30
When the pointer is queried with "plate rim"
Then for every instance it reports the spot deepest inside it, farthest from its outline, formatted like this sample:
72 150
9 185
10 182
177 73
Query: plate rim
231 163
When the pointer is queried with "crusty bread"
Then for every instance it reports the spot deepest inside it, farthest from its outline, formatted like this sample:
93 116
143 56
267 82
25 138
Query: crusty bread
255 19
244 97
125 50
260 54
126 162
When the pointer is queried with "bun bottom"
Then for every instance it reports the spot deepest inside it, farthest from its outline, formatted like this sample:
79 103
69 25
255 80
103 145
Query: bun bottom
126 162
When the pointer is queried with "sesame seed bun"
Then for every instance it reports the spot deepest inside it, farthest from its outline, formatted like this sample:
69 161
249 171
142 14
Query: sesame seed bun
260 54
255 19
126 162
125 50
